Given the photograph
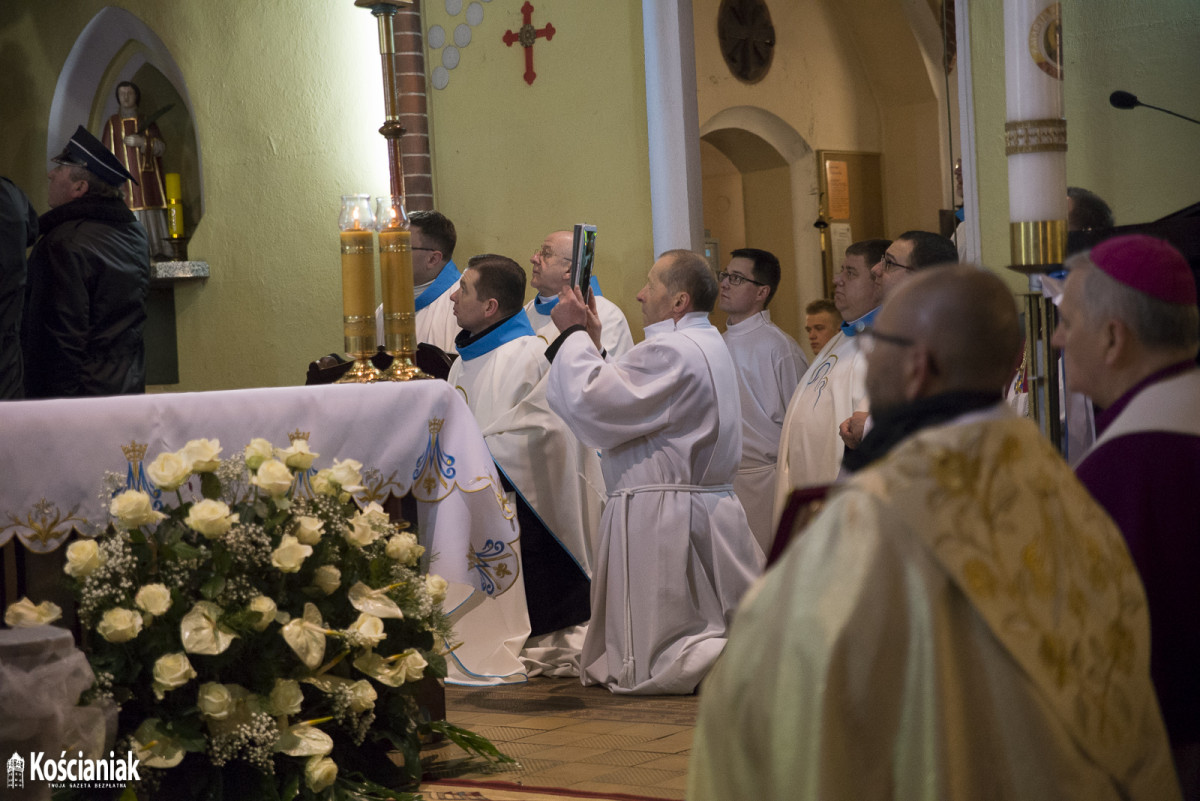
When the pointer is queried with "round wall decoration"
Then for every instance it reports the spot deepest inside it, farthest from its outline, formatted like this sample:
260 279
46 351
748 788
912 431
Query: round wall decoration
747 38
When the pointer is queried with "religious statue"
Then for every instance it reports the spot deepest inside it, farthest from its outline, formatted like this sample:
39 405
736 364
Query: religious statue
138 145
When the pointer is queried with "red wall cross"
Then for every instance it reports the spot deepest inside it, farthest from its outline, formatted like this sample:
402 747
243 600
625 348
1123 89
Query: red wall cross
526 36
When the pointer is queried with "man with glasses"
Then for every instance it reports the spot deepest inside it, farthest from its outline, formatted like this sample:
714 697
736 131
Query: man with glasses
960 620
89 276
810 450
551 272
435 279
909 252
769 365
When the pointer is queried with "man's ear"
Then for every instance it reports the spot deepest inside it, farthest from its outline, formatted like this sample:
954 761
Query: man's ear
682 302
1116 341
490 307
764 292
920 373
79 188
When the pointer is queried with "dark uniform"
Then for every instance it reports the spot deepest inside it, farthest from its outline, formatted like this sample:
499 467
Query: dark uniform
18 230
85 299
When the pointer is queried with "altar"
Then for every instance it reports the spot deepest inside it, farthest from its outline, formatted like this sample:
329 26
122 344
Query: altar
416 437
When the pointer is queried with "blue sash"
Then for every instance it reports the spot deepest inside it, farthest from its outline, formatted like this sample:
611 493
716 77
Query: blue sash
514 327
444 281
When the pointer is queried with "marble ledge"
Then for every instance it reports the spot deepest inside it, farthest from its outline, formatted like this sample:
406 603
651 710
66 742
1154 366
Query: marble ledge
174 270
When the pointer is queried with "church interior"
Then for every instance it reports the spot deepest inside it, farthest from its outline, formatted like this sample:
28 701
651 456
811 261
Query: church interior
628 117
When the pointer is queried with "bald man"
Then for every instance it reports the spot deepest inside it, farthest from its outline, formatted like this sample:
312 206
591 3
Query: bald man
961 620
551 273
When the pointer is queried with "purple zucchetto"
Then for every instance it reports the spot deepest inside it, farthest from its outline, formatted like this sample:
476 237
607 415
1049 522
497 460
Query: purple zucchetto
1148 265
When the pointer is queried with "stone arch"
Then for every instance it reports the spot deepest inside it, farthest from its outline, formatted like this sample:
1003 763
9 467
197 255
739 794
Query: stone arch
116 46
758 142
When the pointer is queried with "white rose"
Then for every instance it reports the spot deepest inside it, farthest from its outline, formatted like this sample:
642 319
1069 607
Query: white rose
286 697
210 518
436 586
273 478
169 470
215 700
346 474
119 625
172 671
24 614
258 451
413 665
154 599
327 578
265 608
369 629
367 526
322 484
83 558
362 696
309 529
202 455
319 773
290 554
298 456
133 508
404 548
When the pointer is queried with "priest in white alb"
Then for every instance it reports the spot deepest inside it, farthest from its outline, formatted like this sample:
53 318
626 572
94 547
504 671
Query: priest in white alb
556 483
810 447
769 365
551 272
675 553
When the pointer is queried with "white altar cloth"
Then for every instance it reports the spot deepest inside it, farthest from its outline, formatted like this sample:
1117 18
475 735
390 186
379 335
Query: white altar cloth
416 436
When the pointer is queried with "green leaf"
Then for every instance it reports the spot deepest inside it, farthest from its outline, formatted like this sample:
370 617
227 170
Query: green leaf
182 550
468 741
210 486
213 587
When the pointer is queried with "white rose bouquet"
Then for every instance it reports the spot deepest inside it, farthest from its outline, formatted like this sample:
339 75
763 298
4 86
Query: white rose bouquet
265 637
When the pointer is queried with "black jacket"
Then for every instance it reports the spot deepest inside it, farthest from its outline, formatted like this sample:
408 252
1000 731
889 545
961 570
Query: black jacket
85 302
18 229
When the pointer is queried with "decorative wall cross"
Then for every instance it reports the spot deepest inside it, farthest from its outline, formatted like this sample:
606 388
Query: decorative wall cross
526 36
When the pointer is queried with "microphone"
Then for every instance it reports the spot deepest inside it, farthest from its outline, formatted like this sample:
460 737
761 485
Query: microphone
1120 99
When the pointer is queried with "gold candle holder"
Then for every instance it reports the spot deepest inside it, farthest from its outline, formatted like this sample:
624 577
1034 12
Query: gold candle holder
396 278
358 287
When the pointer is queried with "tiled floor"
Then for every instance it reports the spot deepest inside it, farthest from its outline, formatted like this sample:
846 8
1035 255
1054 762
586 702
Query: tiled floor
565 735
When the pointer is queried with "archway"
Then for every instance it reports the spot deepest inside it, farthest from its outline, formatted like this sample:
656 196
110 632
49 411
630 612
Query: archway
760 190
116 46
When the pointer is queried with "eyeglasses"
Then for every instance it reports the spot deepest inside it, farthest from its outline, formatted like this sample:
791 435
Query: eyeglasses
737 279
872 336
890 264
547 253
431 250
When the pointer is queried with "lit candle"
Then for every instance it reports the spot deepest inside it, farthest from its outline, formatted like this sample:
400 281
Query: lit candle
395 268
358 273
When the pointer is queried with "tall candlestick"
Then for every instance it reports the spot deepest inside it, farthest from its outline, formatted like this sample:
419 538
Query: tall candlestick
396 278
358 287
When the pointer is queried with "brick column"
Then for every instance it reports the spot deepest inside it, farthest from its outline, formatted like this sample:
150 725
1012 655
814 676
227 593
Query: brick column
410 75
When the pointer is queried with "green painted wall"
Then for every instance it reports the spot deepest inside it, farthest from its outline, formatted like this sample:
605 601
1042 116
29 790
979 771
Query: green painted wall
287 98
513 161
1143 162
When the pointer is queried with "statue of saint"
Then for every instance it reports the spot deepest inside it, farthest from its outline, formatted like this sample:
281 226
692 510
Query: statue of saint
139 147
